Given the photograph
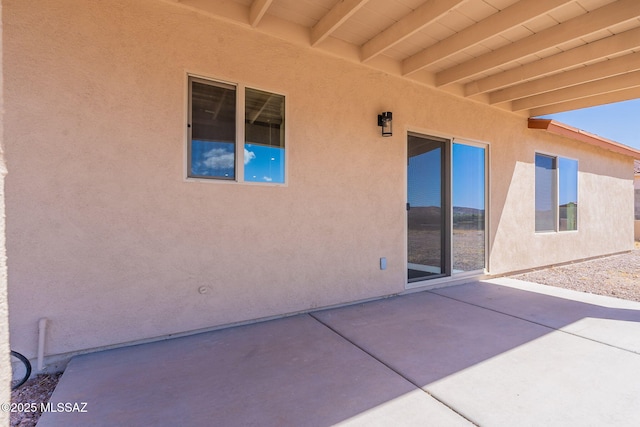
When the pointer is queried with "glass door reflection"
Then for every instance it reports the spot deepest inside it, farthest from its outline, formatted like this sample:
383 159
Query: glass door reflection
426 208
469 195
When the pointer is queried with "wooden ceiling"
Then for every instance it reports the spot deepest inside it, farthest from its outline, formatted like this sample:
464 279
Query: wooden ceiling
532 57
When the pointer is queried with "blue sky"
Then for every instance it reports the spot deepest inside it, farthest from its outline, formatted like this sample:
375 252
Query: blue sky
263 163
424 177
217 159
619 122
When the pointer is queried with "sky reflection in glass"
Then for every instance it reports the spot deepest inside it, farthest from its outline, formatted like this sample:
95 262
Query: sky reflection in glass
215 159
263 163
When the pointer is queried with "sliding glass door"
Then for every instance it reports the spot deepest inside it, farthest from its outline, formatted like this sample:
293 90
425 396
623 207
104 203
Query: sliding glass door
446 197
426 208
469 195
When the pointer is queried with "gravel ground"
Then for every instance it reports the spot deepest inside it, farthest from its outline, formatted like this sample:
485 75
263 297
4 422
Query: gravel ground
615 276
37 390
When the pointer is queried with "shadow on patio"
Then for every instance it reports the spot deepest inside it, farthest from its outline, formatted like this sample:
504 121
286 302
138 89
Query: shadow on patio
492 353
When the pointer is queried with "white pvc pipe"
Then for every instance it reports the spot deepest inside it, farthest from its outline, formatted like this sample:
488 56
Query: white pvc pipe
42 331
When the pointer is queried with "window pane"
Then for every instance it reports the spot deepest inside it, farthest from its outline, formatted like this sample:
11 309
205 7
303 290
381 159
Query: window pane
212 159
545 193
468 244
264 151
213 130
568 197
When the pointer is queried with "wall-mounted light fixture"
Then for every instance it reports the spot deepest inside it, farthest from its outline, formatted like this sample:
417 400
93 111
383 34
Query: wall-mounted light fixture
384 120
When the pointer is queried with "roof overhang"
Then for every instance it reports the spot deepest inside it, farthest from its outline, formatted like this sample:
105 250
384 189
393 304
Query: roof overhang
567 131
529 57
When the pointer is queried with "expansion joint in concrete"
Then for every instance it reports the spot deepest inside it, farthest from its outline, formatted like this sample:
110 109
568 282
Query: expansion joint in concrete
391 368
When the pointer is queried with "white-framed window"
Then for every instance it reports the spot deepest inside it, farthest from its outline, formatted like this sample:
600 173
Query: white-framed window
235 133
556 193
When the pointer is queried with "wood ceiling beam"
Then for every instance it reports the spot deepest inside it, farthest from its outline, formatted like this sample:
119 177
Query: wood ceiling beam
592 101
580 26
611 84
257 10
506 19
600 70
424 15
613 45
334 18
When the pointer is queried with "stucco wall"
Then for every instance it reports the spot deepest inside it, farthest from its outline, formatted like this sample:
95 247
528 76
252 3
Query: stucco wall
637 196
637 207
5 367
5 370
108 241
605 208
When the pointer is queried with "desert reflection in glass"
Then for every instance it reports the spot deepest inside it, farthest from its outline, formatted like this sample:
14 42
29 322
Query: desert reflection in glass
425 221
468 240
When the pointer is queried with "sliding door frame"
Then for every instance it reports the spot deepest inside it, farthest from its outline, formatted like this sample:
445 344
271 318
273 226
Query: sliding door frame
449 277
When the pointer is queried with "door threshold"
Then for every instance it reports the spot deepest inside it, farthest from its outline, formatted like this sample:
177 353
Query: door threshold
429 284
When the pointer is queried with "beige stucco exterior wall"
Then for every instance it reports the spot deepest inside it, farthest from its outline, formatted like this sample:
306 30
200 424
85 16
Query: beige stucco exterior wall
108 241
605 208
5 366
5 369
637 206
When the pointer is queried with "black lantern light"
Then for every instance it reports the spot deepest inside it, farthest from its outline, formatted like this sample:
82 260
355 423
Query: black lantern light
384 120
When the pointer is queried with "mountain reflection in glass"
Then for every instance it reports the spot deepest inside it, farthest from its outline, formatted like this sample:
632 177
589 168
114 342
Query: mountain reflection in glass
425 221
468 240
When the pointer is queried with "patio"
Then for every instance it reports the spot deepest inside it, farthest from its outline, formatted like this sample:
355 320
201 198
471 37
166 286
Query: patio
492 353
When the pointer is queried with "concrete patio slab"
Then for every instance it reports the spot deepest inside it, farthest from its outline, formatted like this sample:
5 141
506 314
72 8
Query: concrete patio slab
555 380
491 353
293 372
604 319
494 368
427 337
